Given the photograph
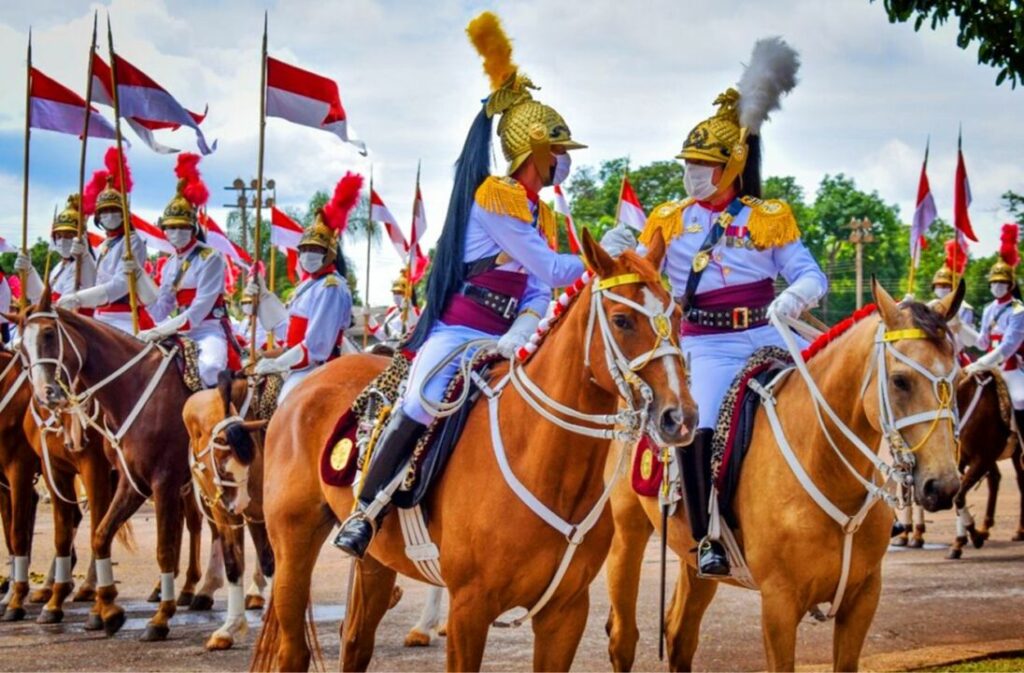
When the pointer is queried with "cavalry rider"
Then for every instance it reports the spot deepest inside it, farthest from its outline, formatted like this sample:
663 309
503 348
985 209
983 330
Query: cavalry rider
1002 324
105 197
320 309
942 281
5 307
404 312
493 271
73 251
725 249
243 327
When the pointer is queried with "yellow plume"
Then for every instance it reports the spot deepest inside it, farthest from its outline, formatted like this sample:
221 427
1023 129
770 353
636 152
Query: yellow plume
494 47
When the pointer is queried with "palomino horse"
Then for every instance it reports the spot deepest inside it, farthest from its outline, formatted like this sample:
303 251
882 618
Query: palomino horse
497 553
781 524
987 435
75 360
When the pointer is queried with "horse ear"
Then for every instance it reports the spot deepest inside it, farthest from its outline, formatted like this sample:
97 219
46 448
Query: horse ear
597 259
949 306
887 306
656 249
13 318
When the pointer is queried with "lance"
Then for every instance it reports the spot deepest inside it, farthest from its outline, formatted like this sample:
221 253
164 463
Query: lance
24 189
369 225
259 188
85 141
49 253
133 300
407 304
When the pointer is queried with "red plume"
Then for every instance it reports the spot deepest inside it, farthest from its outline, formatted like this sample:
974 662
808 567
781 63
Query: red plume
346 195
1008 245
92 190
110 161
187 169
957 253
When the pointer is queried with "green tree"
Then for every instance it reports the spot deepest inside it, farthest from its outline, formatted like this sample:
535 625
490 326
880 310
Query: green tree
1014 203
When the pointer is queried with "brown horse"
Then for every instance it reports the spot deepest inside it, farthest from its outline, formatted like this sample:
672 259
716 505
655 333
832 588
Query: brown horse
478 522
141 395
781 525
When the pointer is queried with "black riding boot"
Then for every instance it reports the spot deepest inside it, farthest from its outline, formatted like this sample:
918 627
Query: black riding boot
390 453
696 469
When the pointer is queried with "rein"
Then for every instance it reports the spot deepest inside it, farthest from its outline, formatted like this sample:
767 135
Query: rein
18 382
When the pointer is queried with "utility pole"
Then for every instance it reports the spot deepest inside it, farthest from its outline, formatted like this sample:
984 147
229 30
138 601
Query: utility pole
246 198
860 233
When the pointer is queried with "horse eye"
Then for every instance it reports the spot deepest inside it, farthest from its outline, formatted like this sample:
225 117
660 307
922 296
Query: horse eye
901 383
621 321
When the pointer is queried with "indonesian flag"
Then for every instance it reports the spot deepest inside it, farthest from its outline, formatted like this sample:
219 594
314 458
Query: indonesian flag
962 197
380 213
218 240
924 213
286 233
95 240
231 275
631 213
305 98
55 107
419 227
562 208
6 247
154 238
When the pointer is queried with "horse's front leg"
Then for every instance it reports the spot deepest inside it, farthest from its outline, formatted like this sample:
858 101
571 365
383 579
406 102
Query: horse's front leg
853 621
23 514
169 525
264 573
214 577
557 630
194 523
234 626
106 613
62 485
780 615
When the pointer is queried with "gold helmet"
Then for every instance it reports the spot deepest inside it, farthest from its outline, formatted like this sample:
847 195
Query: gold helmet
944 276
67 219
110 199
105 193
331 220
191 194
401 284
527 127
956 258
1003 271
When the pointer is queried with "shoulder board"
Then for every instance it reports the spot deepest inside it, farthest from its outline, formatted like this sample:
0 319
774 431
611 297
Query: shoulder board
205 252
504 196
547 224
1018 306
332 280
666 218
965 305
771 223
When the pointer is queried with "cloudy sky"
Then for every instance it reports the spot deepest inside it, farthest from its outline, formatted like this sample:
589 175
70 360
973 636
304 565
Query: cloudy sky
631 79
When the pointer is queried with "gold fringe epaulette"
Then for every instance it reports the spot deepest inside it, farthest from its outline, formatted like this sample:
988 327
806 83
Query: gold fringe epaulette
548 225
771 223
666 218
504 196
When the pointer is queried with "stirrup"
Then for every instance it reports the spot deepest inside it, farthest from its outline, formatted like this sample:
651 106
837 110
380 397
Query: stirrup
357 515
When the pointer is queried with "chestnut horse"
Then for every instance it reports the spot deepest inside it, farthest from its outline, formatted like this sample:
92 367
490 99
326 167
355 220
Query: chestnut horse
74 360
496 552
781 525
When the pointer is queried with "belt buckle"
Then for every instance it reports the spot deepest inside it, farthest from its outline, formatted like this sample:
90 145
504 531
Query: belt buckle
510 308
740 317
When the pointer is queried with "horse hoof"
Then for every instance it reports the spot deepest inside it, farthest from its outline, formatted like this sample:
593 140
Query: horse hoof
13 614
113 624
977 538
185 599
50 616
254 602
442 630
417 638
84 595
1018 536
915 543
154 597
4 586
218 642
201 603
155 633
954 553
41 596
93 622
396 595
895 542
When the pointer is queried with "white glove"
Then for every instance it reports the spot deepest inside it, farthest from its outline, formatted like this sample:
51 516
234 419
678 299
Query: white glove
22 263
618 239
518 334
986 362
907 298
786 305
968 335
164 329
255 287
129 267
145 289
77 248
87 298
33 283
282 363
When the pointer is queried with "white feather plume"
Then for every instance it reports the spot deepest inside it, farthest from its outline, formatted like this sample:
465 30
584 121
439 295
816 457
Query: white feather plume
770 74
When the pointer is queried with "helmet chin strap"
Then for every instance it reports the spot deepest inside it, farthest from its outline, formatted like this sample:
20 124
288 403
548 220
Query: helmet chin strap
734 166
541 152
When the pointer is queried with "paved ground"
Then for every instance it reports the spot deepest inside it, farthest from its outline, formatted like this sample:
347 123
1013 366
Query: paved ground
927 602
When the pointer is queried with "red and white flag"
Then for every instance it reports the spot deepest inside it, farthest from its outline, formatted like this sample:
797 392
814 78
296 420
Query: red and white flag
286 233
631 213
7 247
924 212
55 107
218 240
154 238
962 198
305 98
562 208
419 227
95 240
380 213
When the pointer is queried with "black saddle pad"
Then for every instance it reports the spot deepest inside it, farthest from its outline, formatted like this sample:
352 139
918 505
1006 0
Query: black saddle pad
736 423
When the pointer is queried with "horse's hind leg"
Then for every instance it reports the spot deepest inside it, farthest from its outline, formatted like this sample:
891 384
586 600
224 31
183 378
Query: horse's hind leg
370 599
169 526
23 513
557 630
993 478
1018 467
965 528
64 516
425 629
625 561
689 602
780 616
194 522
853 621
214 577
264 573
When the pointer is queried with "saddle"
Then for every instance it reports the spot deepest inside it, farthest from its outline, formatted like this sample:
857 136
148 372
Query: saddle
187 361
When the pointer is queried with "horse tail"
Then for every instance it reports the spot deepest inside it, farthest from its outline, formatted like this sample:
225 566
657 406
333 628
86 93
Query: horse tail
238 438
126 536
264 654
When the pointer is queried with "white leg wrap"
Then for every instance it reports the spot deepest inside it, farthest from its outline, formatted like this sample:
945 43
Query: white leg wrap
20 573
104 573
918 516
62 569
236 601
904 514
166 586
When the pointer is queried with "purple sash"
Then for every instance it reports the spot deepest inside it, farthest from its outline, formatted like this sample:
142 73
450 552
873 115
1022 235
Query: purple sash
749 295
464 311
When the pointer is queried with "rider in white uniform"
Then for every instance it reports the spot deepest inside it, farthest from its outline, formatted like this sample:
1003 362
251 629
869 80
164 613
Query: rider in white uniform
73 251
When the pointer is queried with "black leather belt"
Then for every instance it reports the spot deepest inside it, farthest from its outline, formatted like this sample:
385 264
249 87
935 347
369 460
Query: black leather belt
737 318
502 304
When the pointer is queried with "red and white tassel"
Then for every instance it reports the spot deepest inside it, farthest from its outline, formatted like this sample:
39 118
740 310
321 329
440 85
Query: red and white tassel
555 310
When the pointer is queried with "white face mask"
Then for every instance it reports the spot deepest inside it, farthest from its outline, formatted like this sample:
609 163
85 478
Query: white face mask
563 164
999 289
941 291
247 309
179 238
110 221
398 299
697 181
62 246
311 261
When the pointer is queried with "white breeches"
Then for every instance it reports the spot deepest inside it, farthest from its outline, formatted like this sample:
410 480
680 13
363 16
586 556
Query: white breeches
442 342
122 321
293 379
213 350
1015 384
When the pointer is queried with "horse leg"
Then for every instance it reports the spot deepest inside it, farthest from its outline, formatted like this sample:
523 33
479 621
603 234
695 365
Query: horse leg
106 613
557 630
64 514
993 478
169 527
853 621
1018 467
965 521
87 589
469 620
426 628
917 540
264 566
233 545
98 480
370 599
903 515
682 624
194 521
23 507
625 561
214 578
780 616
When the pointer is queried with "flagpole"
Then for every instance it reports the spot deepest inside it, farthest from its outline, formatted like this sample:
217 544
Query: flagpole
369 225
622 190
85 140
414 241
24 189
49 253
259 184
133 301
956 231
913 260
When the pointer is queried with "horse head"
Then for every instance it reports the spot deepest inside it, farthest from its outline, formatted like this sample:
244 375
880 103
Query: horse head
917 398
633 349
54 351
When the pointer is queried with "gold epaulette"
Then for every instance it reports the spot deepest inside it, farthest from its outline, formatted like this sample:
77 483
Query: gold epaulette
666 218
204 252
504 196
1018 306
548 225
332 280
771 223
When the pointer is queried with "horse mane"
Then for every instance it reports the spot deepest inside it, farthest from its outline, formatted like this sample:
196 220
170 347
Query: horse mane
124 339
925 319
